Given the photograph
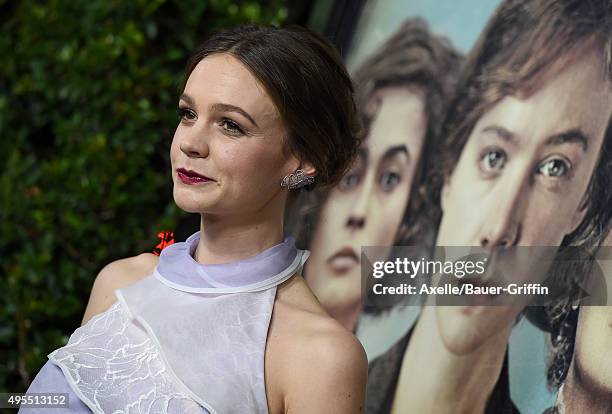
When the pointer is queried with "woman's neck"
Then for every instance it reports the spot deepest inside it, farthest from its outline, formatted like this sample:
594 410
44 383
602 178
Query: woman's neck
433 379
225 239
576 396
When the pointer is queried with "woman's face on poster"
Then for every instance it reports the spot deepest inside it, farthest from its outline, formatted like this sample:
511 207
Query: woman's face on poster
521 179
367 206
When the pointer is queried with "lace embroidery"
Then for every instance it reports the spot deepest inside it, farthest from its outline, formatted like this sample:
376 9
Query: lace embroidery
114 367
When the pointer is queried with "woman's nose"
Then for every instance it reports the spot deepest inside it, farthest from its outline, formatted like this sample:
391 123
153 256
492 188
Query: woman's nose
194 144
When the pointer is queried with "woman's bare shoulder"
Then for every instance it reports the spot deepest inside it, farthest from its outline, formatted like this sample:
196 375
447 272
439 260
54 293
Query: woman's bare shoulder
297 308
116 275
330 360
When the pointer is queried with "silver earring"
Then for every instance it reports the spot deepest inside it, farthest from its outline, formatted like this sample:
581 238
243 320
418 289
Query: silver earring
296 180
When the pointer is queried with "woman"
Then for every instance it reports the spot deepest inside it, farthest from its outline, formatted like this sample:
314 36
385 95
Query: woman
401 92
264 111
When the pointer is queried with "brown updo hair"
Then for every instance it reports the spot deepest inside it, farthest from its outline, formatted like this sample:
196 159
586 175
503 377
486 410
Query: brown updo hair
309 85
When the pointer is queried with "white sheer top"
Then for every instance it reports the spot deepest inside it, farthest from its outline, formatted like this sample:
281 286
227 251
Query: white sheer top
189 338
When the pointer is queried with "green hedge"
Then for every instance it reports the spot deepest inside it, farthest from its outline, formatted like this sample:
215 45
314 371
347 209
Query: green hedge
88 96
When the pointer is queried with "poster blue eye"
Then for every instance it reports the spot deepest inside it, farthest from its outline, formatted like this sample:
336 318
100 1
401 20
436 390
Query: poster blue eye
493 160
349 181
389 180
554 167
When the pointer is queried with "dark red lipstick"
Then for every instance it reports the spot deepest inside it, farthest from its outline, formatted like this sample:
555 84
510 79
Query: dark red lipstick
191 177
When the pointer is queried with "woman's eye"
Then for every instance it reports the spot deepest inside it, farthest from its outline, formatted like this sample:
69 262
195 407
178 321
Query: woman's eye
349 181
493 160
187 114
554 167
389 180
231 127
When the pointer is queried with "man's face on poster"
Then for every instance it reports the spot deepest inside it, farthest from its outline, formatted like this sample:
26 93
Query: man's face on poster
521 179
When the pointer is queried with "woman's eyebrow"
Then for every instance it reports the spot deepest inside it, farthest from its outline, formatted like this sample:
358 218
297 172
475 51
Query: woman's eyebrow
188 99
221 107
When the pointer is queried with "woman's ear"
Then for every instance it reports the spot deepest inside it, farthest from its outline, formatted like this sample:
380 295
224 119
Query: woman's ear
295 163
308 168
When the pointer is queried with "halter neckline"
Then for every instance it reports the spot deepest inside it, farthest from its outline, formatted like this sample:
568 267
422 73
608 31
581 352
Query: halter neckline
179 269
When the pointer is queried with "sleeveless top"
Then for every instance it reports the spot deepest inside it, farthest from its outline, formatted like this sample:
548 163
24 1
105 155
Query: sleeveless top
189 338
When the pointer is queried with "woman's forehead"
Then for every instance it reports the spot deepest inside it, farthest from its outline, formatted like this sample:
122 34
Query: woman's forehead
222 78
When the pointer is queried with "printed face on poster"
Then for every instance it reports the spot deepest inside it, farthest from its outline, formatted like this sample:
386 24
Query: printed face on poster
471 138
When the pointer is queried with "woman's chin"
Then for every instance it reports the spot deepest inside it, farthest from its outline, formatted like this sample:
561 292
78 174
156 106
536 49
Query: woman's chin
190 204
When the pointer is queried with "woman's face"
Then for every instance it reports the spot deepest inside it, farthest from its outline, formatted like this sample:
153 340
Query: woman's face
231 133
366 207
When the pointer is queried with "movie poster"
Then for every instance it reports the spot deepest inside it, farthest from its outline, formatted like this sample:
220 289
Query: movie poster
476 133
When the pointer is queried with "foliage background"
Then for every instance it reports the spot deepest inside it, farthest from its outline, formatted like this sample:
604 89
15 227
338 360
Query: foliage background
88 91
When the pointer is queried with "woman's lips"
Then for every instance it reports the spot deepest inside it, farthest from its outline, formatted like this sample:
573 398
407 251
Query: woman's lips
343 260
191 177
